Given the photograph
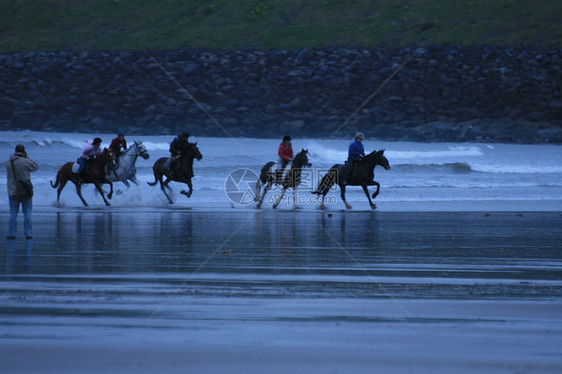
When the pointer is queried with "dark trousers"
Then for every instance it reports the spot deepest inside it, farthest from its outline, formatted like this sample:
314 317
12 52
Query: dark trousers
350 166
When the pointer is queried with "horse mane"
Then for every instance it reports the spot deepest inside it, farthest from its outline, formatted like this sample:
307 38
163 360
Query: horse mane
374 153
300 156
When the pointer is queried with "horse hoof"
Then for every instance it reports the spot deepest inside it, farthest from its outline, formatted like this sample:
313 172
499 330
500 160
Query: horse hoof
323 207
275 206
258 206
373 206
348 206
298 207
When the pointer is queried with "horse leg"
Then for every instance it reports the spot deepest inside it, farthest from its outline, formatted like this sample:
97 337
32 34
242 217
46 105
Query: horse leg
79 192
62 184
107 181
258 189
279 198
98 187
342 187
190 191
267 187
366 190
163 186
295 199
376 193
322 205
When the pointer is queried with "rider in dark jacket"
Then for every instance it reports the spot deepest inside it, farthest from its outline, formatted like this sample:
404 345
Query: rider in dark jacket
178 148
355 154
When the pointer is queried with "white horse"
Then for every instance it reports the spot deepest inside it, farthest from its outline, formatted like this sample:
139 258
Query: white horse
125 169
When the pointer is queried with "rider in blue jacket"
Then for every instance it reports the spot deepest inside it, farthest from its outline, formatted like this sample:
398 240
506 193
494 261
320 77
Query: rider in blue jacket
355 154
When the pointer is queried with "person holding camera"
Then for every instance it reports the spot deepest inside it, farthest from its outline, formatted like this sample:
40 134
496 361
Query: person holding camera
20 190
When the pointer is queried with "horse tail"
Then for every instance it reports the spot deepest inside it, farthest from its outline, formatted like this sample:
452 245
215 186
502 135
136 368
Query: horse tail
156 172
328 180
57 181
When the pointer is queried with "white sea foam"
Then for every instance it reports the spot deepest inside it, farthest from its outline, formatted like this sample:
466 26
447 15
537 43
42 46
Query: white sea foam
420 171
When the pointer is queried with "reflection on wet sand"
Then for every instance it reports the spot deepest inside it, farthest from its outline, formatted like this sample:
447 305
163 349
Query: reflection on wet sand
20 258
346 290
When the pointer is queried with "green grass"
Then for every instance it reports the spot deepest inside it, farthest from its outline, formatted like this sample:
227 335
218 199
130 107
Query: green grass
35 25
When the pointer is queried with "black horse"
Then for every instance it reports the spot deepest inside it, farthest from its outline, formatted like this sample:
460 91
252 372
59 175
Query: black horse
362 176
183 174
292 178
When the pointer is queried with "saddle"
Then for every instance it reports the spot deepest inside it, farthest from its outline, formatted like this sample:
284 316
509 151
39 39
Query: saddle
76 168
353 171
175 168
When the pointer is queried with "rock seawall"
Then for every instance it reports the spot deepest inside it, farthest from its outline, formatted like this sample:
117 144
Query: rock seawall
483 94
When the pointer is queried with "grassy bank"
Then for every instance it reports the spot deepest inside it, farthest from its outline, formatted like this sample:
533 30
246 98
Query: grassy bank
31 25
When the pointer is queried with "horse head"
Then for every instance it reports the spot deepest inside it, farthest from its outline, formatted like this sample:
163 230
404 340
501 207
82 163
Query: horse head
301 159
141 149
194 151
108 158
377 158
382 160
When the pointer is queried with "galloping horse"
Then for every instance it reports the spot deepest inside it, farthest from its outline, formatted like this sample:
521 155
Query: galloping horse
292 179
183 175
125 169
363 177
95 175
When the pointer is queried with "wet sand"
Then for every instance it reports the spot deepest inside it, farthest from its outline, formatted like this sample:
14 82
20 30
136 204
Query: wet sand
188 290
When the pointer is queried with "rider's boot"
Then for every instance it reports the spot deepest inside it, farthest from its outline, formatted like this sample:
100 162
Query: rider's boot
172 167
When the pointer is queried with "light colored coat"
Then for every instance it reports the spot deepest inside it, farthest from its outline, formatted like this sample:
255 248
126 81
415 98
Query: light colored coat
90 150
24 166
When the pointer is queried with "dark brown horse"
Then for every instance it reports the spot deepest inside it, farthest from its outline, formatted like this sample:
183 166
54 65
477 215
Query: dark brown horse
363 177
95 175
183 174
269 177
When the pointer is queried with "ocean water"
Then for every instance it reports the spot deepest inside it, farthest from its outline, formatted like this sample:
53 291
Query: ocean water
424 176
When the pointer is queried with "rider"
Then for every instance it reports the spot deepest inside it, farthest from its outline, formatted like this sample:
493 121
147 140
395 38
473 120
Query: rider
355 154
119 144
286 154
91 150
178 147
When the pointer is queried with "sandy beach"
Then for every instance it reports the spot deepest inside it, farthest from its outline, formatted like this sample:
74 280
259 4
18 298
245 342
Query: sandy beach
121 290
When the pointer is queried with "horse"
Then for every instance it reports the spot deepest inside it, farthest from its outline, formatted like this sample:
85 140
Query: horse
95 175
292 178
363 177
125 169
183 175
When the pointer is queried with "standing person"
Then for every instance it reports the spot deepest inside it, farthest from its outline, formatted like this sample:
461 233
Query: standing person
355 153
286 154
91 150
19 167
178 147
118 144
